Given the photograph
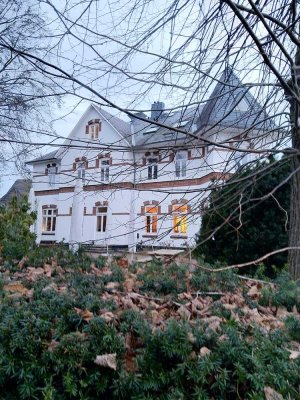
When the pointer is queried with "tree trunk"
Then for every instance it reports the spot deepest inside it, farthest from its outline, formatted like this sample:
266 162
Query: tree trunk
294 225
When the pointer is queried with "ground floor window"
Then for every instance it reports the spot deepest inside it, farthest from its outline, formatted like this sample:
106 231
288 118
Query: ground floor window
49 220
151 219
101 213
179 218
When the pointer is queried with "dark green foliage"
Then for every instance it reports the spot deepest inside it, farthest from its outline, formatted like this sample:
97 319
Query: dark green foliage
163 279
48 347
286 293
245 228
15 236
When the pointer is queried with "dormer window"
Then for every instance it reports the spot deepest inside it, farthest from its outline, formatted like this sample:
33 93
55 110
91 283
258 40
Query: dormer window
104 165
152 167
51 172
93 128
180 164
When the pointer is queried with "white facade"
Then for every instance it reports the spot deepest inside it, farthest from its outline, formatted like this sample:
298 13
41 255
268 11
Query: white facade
115 183
123 187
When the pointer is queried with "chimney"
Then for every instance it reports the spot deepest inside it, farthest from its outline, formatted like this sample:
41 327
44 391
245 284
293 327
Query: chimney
157 109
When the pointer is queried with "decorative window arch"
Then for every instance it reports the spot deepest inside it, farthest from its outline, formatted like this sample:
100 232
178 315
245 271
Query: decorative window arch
93 128
151 210
49 214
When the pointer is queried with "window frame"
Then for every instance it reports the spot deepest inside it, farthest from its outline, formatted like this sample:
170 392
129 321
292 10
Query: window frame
152 170
51 172
104 169
181 163
101 219
179 219
80 168
49 216
151 220
93 129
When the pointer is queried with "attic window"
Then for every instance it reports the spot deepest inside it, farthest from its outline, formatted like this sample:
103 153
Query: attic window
93 128
51 171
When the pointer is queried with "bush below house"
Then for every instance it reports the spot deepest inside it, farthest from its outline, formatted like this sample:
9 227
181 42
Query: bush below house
76 328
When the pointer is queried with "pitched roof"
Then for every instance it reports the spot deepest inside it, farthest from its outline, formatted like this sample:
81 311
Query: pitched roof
232 104
121 126
49 156
147 133
19 188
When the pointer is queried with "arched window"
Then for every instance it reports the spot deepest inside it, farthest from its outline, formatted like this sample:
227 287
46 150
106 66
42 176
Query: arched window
151 219
49 214
180 163
179 212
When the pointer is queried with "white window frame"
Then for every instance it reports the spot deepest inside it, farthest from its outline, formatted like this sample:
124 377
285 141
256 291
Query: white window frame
101 219
104 169
152 170
49 216
94 130
180 163
179 219
151 220
81 170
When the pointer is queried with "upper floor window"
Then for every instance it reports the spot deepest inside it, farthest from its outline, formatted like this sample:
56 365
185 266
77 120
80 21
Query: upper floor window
152 167
180 163
93 128
151 219
179 218
49 219
101 213
51 171
104 165
81 170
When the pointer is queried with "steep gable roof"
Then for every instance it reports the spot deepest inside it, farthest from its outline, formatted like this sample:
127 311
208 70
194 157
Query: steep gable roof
118 124
232 104
46 157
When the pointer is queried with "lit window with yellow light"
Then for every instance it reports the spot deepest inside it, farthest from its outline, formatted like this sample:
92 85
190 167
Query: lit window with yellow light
179 218
151 219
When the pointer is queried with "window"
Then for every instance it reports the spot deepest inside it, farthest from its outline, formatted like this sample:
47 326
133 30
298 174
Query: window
180 163
81 170
152 167
104 170
101 213
151 219
49 220
179 218
51 170
93 128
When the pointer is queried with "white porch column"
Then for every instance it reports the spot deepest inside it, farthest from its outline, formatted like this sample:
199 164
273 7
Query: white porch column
76 228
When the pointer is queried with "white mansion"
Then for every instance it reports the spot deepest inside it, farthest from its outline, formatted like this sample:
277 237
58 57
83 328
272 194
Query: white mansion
115 183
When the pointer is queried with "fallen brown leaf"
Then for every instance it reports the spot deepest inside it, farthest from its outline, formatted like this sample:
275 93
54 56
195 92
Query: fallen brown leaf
107 361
